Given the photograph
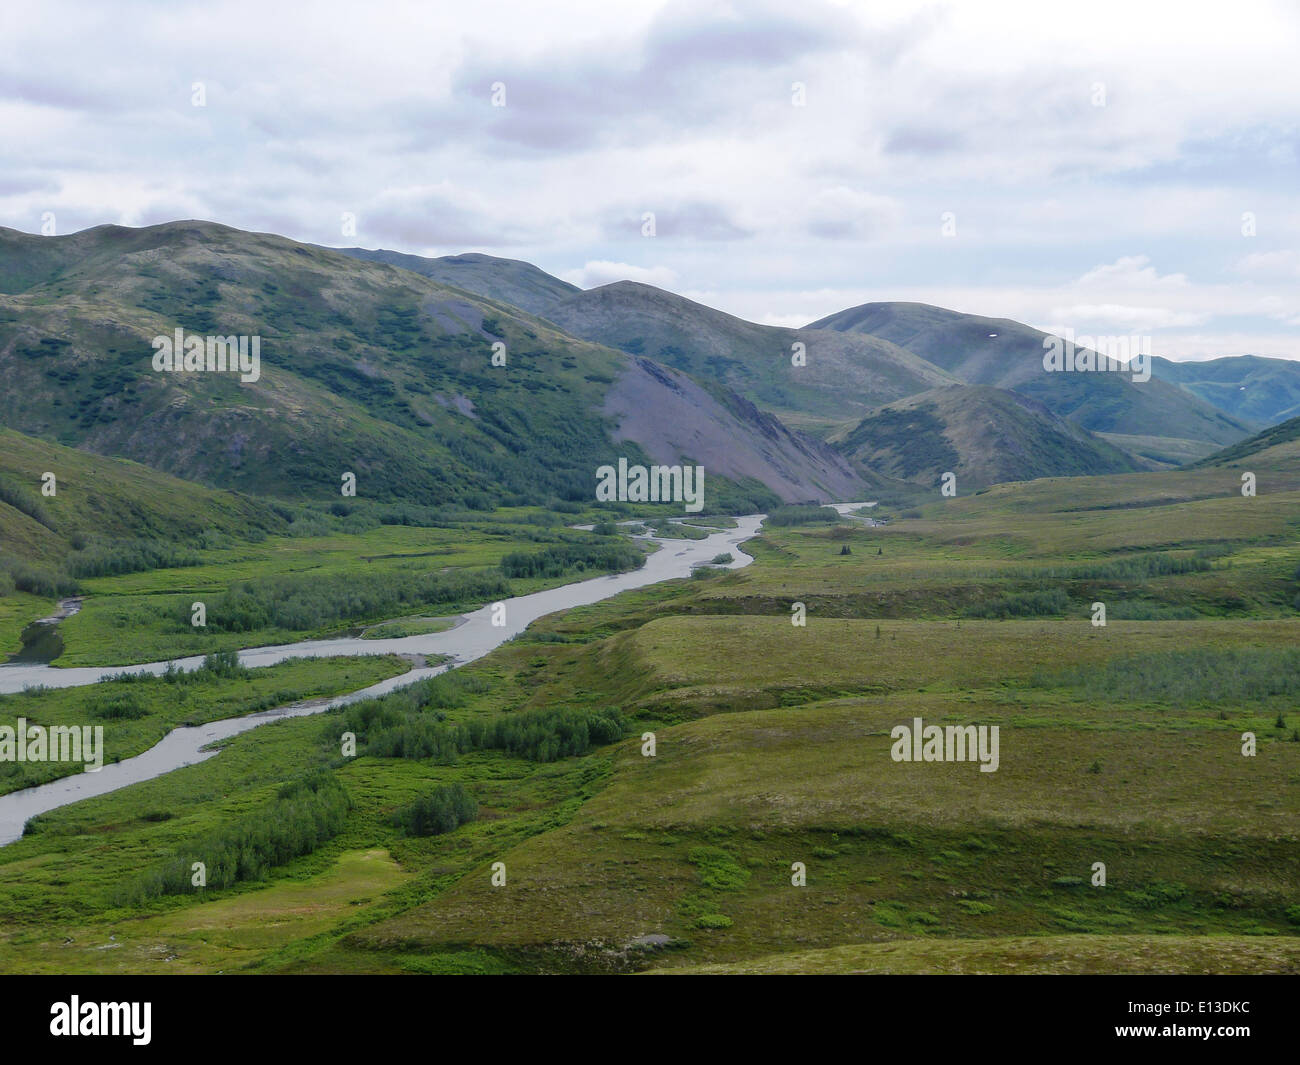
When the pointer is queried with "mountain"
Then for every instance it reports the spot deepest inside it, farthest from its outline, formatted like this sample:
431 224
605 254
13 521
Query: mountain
984 435
704 421
1155 418
510 281
1248 387
96 496
845 374
1276 448
365 368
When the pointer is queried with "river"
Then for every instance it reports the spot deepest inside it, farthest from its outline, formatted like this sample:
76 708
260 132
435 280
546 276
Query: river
472 639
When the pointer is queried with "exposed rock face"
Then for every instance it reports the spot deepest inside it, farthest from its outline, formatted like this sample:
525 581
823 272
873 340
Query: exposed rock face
673 418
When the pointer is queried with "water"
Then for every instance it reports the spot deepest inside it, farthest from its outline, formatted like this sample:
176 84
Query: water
472 639
41 639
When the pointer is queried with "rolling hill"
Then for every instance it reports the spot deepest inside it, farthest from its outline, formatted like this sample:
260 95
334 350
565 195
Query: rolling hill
1156 417
982 434
107 497
1266 391
845 375
365 368
1275 449
510 281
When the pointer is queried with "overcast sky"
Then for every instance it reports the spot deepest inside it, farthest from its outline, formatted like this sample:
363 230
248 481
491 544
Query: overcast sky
1096 169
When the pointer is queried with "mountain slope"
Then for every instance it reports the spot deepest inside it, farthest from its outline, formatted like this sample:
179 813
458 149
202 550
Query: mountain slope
1007 354
844 376
984 435
788 463
107 497
365 368
1247 387
510 281
1274 449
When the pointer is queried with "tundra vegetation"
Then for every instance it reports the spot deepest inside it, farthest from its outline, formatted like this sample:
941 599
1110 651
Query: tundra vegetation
1120 744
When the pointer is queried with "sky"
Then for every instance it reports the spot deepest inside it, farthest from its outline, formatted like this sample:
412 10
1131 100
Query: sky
1111 168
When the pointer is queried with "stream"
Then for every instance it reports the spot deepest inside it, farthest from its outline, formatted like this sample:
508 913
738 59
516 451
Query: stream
471 639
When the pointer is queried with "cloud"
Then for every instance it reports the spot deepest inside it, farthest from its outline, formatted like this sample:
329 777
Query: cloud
1283 264
1126 316
841 213
784 321
924 140
693 221
695 67
600 272
1131 271
439 216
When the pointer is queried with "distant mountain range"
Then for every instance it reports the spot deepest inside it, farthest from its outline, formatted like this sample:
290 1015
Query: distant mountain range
1156 419
1248 387
381 364
890 351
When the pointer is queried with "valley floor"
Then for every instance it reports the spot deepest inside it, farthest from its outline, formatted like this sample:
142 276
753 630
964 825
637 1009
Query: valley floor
772 760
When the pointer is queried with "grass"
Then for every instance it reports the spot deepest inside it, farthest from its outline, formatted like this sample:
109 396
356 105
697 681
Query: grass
138 711
1119 745
393 630
1031 955
155 607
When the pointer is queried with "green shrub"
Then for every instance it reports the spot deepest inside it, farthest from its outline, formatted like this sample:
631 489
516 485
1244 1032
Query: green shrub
116 706
1045 603
401 725
305 603
563 559
717 869
442 810
1212 675
111 558
304 814
713 920
801 515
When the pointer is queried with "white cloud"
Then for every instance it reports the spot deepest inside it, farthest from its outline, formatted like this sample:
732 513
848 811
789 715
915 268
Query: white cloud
1271 265
785 321
1131 271
603 272
844 213
1127 316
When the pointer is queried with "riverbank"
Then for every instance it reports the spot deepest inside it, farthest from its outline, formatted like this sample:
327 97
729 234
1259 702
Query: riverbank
481 631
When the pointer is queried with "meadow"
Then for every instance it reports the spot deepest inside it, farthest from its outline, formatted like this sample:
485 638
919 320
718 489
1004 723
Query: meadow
1121 744
282 589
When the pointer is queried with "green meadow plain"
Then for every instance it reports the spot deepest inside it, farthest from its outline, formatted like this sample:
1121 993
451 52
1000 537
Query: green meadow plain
1120 744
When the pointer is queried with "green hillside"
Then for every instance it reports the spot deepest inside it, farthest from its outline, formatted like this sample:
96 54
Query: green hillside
983 435
1007 354
1250 388
365 368
1273 449
843 376
107 497
505 280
